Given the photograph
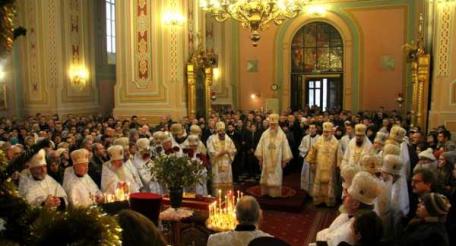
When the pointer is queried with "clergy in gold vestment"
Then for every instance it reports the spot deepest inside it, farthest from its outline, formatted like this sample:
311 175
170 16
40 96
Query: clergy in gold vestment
221 151
358 146
326 156
273 152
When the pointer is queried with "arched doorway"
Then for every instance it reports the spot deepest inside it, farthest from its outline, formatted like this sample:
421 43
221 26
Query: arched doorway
317 53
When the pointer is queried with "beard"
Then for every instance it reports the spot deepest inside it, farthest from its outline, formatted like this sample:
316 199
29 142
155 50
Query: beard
359 143
39 177
146 156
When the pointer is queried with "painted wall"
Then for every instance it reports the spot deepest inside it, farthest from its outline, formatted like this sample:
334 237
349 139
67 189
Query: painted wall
256 82
377 31
383 32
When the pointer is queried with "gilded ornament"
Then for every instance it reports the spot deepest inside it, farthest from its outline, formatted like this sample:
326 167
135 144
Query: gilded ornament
7 11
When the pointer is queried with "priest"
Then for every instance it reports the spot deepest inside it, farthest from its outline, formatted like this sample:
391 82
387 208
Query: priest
115 175
359 146
143 163
193 152
273 153
221 151
81 189
360 197
38 188
325 155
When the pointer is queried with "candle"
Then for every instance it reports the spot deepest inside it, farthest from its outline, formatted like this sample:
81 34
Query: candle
222 214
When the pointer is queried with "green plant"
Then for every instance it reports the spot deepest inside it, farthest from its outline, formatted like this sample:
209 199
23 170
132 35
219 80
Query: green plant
177 172
22 224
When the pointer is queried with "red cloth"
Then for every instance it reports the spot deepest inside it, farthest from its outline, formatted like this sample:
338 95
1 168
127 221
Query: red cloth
200 203
146 203
145 195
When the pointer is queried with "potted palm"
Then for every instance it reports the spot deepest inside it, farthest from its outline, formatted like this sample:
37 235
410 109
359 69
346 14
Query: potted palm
177 172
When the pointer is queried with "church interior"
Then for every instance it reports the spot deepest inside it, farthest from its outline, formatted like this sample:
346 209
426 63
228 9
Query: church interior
280 105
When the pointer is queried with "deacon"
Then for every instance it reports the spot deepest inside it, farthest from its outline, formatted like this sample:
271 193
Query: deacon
115 175
273 153
81 189
325 155
359 146
221 151
347 137
307 174
38 188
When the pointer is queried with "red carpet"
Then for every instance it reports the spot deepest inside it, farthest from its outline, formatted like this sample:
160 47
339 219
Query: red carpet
256 191
293 200
298 227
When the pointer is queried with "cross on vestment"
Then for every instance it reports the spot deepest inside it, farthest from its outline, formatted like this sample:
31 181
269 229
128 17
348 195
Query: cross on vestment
271 146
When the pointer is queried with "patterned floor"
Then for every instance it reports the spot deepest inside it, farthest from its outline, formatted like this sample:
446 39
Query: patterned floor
298 229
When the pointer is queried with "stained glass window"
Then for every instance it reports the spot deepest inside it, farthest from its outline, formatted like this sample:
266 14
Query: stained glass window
317 47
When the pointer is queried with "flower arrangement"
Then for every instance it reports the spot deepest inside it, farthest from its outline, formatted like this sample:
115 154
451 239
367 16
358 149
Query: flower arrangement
177 171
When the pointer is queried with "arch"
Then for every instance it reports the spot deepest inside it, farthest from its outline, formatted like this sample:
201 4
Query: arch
349 33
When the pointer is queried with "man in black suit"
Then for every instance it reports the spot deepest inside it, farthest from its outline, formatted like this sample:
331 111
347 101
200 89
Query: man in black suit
251 141
96 163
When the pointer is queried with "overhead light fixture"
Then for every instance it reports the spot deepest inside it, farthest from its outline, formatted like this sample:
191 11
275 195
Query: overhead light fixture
254 15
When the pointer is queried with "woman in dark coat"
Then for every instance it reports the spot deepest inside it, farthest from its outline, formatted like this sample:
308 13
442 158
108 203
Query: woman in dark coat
428 227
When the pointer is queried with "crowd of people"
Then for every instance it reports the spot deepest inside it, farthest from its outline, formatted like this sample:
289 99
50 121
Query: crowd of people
371 161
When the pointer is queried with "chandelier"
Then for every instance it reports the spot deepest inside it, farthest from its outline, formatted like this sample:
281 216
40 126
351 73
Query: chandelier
254 15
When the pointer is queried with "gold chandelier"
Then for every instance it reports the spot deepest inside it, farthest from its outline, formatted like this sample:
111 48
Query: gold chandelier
254 15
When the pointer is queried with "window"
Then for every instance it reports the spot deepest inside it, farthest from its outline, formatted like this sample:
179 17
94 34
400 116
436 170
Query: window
324 92
111 31
317 47
317 67
318 92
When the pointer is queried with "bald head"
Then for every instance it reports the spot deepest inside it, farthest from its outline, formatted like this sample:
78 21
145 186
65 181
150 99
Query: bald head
248 211
14 151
